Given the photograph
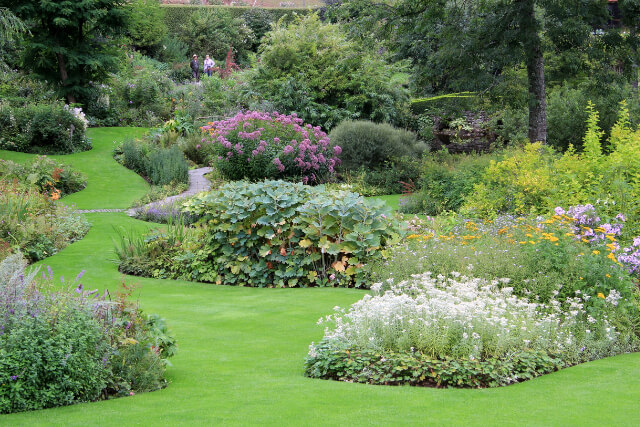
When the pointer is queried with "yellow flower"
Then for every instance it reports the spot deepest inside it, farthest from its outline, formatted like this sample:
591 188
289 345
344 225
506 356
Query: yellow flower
610 237
529 235
596 252
600 295
612 257
608 275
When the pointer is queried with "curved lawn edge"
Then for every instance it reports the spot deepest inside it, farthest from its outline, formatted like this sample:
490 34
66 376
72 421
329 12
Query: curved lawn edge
109 185
242 353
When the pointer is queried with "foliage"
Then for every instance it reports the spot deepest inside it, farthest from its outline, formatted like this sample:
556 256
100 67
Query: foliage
414 368
269 234
370 145
520 184
446 181
63 347
45 174
464 332
161 166
255 146
71 43
312 69
145 24
212 31
42 128
34 224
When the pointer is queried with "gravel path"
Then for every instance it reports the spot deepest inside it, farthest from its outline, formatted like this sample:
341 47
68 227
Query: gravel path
197 184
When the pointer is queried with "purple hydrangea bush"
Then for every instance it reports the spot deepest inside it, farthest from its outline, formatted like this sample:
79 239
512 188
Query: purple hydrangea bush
254 145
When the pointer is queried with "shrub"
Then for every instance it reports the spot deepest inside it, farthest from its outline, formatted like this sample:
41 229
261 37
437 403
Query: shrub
45 174
63 347
370 145
255 146
279 234
520 184
313 69
42 128
446 182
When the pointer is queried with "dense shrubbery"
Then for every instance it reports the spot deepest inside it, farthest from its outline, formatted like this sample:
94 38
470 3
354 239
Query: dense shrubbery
46 175
534 180
257 146
34 223
272 233
42 128
370 145
63 347
312 69
445 182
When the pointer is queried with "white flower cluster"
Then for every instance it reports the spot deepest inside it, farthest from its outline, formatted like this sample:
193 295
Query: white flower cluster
465 318
79 114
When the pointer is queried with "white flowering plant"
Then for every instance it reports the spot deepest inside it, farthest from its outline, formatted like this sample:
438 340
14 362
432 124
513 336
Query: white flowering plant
469 322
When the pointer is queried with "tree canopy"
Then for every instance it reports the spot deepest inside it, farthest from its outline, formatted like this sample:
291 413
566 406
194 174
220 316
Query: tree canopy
72 42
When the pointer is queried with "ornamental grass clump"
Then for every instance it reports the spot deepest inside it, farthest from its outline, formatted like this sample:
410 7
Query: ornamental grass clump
254 145
475 327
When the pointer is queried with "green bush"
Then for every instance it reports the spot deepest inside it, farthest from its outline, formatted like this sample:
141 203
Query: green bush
146 27
42 128
213 31
313 69
52 360
60 347
279 234
446 182
370 145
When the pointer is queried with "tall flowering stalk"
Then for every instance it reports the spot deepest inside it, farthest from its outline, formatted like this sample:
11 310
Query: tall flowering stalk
255 145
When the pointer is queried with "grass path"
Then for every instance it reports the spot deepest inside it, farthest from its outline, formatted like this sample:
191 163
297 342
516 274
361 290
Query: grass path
241 352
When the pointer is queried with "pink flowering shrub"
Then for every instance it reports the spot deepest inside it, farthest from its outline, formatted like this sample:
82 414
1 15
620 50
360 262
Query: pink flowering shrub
255 145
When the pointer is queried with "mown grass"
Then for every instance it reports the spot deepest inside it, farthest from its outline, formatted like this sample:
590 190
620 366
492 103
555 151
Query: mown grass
242 350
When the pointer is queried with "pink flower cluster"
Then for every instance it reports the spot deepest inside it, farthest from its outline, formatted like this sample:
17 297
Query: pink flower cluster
295 149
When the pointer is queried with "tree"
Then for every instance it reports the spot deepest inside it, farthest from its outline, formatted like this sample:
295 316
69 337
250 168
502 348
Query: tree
454 43
10 28
72 41
146 27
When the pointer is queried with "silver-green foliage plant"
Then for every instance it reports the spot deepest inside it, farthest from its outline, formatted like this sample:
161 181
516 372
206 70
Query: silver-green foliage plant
276 233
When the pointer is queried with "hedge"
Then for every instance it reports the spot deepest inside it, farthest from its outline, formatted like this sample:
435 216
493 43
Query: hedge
178 14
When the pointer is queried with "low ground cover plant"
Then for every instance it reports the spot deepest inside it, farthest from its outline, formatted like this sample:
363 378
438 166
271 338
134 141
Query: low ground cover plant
34 223
253 145
47 175
268 234
70 345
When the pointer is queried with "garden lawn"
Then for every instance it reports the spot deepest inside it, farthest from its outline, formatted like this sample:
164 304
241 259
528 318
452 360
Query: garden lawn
241 353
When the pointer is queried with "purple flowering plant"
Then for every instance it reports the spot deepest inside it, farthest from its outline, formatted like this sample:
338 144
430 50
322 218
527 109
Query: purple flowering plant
255 145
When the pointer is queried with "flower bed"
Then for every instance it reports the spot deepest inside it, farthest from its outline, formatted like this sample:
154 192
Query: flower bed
255 146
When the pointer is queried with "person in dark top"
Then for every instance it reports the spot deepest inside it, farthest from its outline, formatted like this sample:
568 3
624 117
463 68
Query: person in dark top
195 68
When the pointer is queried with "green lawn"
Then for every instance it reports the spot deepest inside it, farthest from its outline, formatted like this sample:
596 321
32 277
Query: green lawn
242 350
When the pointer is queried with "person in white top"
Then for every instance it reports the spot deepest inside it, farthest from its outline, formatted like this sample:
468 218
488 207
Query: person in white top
208 65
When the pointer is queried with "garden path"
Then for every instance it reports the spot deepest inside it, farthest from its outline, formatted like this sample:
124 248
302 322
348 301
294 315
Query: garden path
197 184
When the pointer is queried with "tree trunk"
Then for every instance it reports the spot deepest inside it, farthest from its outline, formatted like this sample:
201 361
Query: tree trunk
62 67
535 77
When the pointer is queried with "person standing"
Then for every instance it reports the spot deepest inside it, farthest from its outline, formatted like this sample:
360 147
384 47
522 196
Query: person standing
195 68
208 65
